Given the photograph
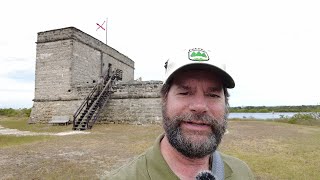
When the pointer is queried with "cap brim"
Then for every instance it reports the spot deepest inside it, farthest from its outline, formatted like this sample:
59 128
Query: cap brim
226 79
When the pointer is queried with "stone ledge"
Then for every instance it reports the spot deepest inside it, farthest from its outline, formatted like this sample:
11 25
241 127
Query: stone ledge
57 99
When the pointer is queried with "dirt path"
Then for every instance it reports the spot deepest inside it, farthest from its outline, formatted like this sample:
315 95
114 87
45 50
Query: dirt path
7 131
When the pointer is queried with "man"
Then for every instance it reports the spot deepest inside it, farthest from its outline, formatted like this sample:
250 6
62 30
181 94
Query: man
194 108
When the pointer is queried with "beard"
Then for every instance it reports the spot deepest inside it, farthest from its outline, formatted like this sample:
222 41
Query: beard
184 142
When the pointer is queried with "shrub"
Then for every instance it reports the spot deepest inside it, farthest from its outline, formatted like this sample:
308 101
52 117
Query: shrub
25 112
300 116
292 121
305 119
8 112
311 119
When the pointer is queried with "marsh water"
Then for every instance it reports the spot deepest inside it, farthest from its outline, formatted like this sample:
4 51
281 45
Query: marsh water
261 116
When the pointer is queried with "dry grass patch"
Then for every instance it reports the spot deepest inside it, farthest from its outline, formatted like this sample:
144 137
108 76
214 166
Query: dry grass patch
9 140
276 151
21 123
273 151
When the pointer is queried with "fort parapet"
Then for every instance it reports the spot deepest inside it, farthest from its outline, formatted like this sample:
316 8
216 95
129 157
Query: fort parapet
134 102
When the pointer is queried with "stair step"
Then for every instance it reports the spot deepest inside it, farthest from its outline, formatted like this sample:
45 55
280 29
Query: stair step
82 124
86 118
80 129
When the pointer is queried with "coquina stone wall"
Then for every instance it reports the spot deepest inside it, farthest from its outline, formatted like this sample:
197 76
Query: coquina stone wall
69 64
134 102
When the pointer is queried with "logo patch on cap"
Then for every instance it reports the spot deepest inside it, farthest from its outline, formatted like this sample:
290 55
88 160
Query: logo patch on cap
198 54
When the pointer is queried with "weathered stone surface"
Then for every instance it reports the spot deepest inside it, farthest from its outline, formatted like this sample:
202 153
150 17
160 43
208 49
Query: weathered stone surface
42 112
69 64
134 103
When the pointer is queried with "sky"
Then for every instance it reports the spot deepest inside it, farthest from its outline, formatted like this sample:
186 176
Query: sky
270 48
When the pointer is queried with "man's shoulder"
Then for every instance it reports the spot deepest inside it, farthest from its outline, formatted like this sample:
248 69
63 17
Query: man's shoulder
236 168
233 161
136 169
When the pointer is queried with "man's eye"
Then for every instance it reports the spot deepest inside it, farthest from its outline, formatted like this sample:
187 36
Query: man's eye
184 93
214 95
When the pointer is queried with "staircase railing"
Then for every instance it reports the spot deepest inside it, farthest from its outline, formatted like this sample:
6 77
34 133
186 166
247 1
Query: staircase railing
85 103
94 102
101 101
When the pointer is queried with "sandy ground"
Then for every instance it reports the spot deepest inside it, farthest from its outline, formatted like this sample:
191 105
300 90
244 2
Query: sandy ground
86 155
106 147
15 132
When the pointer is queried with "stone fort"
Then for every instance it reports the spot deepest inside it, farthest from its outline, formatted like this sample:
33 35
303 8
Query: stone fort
69 64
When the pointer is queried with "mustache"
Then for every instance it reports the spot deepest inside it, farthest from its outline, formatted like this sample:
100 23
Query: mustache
203 118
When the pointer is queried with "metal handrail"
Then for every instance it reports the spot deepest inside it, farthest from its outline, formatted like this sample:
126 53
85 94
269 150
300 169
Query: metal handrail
84 103
106 88
115 75
86 100
98 113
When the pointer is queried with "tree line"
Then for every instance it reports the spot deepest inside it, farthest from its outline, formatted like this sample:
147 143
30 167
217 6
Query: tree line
266 109
25 112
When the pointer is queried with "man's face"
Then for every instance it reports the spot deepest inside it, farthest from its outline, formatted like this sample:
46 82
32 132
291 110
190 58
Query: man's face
194 113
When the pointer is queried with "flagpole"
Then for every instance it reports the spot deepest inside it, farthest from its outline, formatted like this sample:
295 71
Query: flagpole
106 31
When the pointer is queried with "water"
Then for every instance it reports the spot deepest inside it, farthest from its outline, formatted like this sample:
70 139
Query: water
261 116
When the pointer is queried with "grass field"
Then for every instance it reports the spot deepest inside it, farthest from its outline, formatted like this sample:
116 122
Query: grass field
272 150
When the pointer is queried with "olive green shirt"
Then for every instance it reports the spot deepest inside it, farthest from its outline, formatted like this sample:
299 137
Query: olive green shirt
151 165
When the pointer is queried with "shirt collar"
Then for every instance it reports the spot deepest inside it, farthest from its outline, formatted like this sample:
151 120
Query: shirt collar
159 169
156 165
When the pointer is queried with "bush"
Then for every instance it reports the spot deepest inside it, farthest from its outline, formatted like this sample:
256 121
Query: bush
305 119
300 116
292 121
8 112
310 119
25 112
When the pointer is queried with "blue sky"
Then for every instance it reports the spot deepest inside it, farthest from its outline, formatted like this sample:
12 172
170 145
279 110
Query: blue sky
271 48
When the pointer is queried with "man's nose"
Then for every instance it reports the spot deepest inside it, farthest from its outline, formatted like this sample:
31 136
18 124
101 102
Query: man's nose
198 104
